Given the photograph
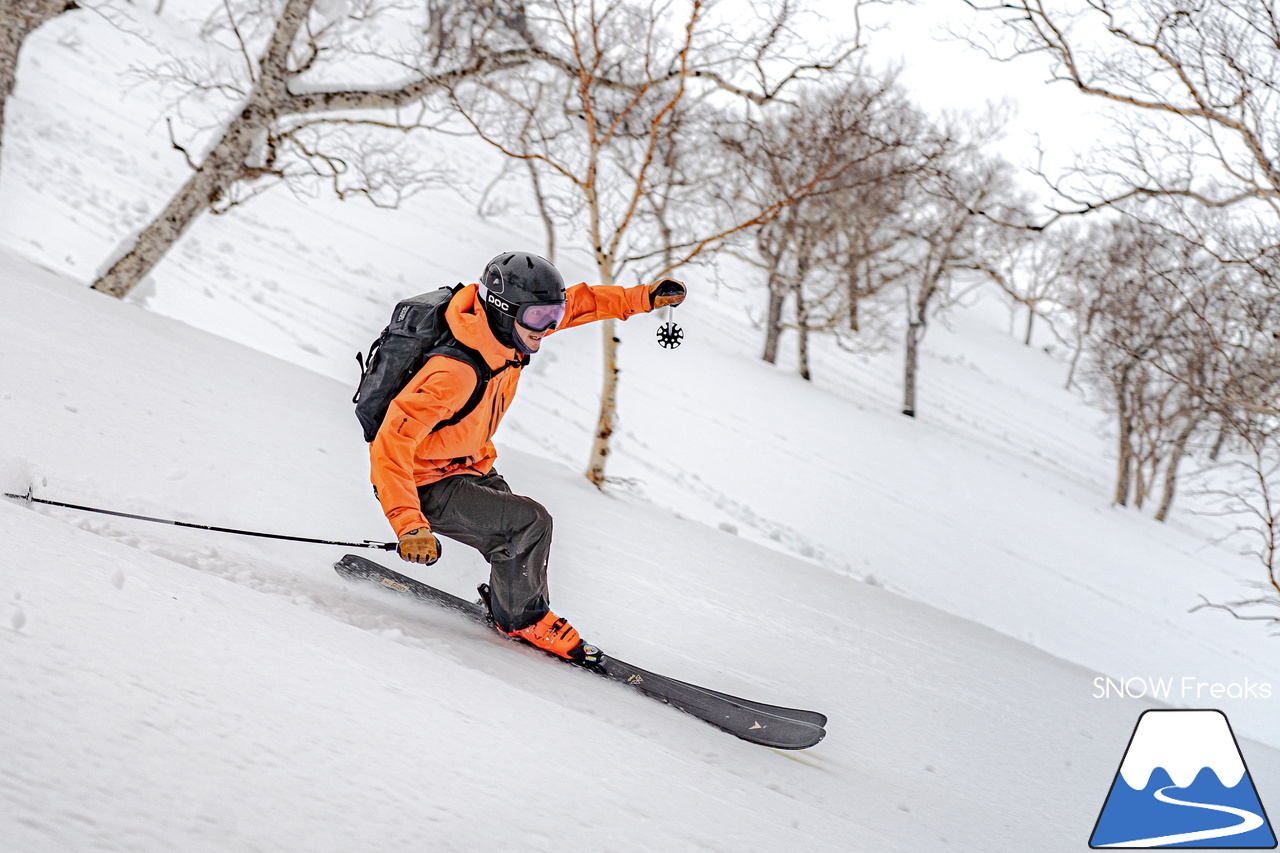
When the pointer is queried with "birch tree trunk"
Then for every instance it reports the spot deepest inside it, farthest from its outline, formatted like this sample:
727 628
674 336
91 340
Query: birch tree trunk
855 294
222 167
1218 442
909 375
773 322
1171 471
548 223
918 312
802 332
1124 450
19 19
225 163
1139 482
608 398
1075 361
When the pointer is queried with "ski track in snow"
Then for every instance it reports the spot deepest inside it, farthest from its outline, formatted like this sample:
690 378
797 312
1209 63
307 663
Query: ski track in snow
410 625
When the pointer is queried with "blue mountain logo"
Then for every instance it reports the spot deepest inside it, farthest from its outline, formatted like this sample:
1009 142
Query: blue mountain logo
1183 783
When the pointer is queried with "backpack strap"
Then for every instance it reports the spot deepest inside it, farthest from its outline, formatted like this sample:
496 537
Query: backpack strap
366 362
467 355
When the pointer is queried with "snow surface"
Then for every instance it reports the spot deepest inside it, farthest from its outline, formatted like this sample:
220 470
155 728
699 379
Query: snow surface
1183 743
948 590
167 689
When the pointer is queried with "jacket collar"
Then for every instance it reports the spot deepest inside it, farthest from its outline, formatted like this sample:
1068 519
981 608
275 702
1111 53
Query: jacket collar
466 318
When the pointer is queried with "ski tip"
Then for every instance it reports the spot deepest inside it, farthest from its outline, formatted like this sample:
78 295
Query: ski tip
806 743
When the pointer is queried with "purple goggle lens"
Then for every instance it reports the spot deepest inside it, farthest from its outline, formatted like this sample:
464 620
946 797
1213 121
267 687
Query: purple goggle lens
539 318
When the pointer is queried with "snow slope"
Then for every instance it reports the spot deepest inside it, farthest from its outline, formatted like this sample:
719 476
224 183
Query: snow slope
169 689
172 690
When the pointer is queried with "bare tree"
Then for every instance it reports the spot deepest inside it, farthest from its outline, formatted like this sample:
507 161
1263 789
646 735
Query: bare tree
900 214
19 19
286 123
868 229
1035 271
1252 494
947 237
824 252
625 96
1076 253
1196 81
1137 301
1180 347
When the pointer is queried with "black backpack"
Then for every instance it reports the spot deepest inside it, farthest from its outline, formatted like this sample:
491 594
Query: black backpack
417 331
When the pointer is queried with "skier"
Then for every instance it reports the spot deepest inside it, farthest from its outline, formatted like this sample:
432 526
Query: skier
444 481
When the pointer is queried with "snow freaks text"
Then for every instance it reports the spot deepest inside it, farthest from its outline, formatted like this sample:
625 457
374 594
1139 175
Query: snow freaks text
1186 687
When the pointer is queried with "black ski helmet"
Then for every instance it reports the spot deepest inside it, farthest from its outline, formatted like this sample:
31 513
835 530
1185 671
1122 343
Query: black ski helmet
514 279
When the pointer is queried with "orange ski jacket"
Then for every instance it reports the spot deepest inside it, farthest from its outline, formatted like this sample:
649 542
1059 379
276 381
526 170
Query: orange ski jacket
406 454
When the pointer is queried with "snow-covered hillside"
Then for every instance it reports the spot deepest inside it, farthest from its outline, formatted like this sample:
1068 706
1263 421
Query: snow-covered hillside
169 689
947 589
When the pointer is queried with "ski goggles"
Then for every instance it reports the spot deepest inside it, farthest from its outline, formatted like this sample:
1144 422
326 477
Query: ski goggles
540 317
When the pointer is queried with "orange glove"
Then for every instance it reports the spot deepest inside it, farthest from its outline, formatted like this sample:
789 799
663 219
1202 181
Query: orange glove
419 546
669 291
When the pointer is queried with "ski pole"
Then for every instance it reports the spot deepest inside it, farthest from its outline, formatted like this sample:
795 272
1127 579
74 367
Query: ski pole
367 543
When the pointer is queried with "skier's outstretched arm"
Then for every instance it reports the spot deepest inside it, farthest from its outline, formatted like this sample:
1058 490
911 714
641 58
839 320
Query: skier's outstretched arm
586 304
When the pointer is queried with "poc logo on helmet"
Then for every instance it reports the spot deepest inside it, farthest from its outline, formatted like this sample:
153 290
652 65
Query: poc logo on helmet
501 304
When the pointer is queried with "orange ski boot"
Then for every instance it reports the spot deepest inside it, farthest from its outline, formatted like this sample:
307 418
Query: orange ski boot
551 633
554 634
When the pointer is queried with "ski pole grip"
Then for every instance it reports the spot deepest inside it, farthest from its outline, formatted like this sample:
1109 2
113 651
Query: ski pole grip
395 546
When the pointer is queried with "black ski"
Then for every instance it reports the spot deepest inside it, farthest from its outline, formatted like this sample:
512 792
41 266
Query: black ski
768 725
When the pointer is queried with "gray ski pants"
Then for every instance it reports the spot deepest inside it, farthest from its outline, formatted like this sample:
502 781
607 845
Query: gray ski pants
513 533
